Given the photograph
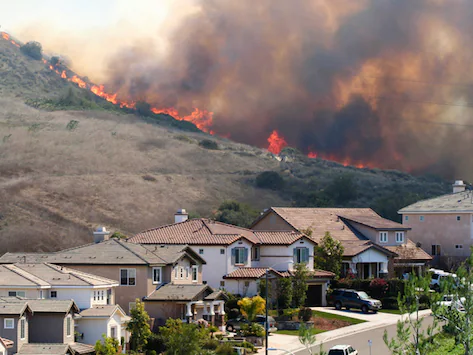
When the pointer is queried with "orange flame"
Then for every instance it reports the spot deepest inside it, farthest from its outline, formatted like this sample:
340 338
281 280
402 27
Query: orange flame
202 119
344 161
7 37
276 143
63 74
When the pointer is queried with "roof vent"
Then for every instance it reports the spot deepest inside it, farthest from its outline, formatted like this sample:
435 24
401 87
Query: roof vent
181 216
101 234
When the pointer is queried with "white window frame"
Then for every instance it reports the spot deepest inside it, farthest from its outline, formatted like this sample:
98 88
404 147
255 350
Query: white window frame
23 328
181 272
102 295
406 218
421 218
240 251
160 269
7 320
176 271
114 328
51 294
68 325
195 269
298 255
381 239
127 276
16 294
399 237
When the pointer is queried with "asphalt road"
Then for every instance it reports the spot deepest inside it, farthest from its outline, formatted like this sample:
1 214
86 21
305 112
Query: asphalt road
359 341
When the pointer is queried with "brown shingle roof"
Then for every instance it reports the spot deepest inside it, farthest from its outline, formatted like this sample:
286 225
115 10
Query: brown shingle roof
376 222
409 252
44 349
102 311
250 273
194 231
40 305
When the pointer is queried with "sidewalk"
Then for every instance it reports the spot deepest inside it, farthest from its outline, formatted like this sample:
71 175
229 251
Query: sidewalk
291 343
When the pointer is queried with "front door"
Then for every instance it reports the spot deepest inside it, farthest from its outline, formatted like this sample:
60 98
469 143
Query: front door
366 270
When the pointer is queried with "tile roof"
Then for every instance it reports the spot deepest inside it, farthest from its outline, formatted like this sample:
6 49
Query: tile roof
278 237
322 274
194 231
409 251
219 294
376 222
110 252
101 311
45 275
250 273
171 292
454 202
41 305
7 343
80 348
44 349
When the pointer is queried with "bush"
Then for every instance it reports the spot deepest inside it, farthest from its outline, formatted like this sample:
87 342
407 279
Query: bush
210 344
305 314
32 49
270 180
378 288
389 303
284 288
225 349
253 329
208 144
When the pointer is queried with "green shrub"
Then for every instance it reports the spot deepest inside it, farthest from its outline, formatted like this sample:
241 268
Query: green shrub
270 180
305 314
210 344
389 303
253 329
32 49
225 349
208 144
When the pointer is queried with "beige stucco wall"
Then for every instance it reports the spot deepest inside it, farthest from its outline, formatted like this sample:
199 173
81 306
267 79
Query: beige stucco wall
164 310
373 234
186 264
272 222
441 229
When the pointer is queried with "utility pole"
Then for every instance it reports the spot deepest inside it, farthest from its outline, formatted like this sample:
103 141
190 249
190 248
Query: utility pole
266 323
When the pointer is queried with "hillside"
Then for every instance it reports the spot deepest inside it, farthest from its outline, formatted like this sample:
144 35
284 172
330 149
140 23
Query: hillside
64 172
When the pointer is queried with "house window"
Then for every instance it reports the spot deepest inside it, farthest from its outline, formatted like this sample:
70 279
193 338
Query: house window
68 326
406 218
201 251
247 283
399 237
16 293
194 274
458 218
102 296
175 272
113 332
255 253
181 274
157 275
239 256
459 246
22 328
95 295
127 277
383 237
301 255
187 273
222 283
53 294
421 218
222 251
131 305
9 323
436 250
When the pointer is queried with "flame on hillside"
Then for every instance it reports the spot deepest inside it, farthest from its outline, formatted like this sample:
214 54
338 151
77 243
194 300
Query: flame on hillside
276 142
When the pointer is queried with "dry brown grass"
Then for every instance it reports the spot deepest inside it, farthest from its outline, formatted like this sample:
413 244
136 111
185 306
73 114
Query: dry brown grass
116 170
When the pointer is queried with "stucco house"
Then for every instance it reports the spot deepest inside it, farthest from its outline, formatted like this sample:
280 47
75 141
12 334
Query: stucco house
14 319
374 246
443 226
237 258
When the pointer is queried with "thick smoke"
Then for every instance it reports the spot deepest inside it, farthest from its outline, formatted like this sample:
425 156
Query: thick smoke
381 82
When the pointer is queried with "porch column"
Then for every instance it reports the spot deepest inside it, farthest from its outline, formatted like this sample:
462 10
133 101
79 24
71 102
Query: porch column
189 313
205 314
212 313
221 312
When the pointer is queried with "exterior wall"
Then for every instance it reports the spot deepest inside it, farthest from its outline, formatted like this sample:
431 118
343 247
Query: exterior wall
93 328
239 287
373 234
49 328
82 297
442 229
272 222
123 294
13 334
29 292
164 310
186 264
370 256
282 256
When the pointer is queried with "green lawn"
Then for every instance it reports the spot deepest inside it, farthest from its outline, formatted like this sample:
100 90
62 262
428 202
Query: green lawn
392 311
446 345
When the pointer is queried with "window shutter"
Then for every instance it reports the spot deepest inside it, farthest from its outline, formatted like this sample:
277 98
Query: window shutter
305 253
233 256
295 255
245 256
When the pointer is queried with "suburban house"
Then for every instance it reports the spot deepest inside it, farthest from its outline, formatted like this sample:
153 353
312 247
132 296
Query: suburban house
373 246
5 344
14 319
146 272
237 258
443 226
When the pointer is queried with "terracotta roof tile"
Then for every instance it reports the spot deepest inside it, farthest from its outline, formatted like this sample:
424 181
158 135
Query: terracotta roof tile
376 222
250 273
278 237
314 274
409 251
7 343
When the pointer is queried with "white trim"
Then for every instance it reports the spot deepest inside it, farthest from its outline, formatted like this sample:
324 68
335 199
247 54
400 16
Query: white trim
128 278
5 323
24 330
436 212
69 329
387 237
32 287
109 286
160 275
402 234
196 268
409 264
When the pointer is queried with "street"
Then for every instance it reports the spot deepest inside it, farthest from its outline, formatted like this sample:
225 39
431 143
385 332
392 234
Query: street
360 340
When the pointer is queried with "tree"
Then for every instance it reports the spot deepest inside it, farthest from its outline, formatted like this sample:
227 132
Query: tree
108 347
328 254
307 337
138 326
284 292
32 49
251 307
299 285
270 180
410 338
236 213
180 338
342 189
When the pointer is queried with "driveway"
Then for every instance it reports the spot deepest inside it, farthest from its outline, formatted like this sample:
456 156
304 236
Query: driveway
354 313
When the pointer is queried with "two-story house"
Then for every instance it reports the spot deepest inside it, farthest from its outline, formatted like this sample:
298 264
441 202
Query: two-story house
237 258
443 226
373 246
14 319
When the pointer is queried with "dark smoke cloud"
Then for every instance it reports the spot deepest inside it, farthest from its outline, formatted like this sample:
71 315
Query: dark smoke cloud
357 80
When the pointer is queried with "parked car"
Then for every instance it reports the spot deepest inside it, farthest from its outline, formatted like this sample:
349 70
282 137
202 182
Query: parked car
236 324
342 350
440 276
452 302
353 299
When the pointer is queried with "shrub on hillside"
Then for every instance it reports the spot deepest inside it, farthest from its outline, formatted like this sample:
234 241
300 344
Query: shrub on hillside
270 180
208 144
32 49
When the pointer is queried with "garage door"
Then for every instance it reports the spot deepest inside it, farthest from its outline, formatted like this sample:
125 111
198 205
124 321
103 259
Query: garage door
314 296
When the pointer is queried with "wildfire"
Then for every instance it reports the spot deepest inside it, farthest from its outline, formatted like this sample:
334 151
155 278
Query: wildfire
7 37
276 143
343 161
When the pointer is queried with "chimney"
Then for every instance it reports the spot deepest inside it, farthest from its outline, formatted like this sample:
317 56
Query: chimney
101 234
458 186
180 216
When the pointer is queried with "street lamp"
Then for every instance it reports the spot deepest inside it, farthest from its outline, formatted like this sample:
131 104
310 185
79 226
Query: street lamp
286 351
266 306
